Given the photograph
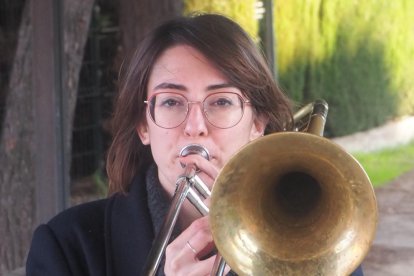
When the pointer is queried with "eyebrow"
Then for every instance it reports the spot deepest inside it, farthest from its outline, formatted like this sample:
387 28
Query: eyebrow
219 86
167 85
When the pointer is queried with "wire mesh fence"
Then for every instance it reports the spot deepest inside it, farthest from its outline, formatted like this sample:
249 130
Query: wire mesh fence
97 83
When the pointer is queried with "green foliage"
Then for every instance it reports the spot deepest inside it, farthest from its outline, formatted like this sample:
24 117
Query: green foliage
357 55
243 12
100 182
386 165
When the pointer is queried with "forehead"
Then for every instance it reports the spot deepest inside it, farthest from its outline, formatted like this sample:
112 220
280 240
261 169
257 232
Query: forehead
181 64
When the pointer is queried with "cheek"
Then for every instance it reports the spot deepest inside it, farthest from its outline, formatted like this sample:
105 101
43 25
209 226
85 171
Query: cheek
246 133
162 145
234 140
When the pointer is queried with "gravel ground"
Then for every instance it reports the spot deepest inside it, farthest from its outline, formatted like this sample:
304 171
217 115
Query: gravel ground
392 252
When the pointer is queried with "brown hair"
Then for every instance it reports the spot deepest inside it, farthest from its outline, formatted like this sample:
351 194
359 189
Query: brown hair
228 47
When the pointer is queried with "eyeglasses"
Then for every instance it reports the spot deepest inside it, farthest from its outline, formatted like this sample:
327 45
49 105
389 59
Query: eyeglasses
222 110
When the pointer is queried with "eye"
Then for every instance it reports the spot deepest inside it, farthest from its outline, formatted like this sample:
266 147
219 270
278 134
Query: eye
170 101
222 102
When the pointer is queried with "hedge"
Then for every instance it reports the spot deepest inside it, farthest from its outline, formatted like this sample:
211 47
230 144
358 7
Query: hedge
242 12
357 55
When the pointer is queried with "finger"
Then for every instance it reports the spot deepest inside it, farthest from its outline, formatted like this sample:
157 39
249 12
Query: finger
199 225
201 244
195 268
191 248
191 245
202 267
206 171
202 164
195 242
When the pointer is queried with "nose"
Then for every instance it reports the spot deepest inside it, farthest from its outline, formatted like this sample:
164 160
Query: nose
195 124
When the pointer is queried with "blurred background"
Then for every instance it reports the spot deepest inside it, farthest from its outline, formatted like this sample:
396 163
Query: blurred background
59 63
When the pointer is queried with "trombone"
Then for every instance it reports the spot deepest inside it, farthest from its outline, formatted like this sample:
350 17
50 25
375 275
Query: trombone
289 203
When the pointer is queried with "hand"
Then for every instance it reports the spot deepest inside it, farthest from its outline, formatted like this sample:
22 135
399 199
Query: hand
190 253
186 254
208 170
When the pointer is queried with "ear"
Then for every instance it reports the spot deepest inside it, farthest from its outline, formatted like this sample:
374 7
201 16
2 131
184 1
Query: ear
258 127
143 133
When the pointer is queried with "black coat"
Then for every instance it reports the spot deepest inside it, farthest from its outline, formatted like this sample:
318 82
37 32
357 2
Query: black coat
110 237
106 237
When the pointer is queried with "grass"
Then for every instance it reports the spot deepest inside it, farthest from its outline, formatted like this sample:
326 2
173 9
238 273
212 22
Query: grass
386 165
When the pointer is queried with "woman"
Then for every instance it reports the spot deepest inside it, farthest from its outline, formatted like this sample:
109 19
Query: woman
197 80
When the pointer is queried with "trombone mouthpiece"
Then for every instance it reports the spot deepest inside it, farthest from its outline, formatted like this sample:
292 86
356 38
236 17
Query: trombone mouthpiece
195 149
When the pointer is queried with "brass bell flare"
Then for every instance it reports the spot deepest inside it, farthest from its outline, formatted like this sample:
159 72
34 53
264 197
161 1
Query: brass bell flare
293 203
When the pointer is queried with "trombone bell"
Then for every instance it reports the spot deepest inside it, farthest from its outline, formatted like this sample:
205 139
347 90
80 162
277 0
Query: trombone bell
293 203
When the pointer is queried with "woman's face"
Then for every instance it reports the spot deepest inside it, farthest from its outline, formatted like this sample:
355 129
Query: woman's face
184 70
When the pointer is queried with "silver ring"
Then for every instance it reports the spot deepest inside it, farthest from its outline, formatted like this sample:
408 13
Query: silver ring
192 248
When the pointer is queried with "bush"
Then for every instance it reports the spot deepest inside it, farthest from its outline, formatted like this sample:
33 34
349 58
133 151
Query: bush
243 12
357 55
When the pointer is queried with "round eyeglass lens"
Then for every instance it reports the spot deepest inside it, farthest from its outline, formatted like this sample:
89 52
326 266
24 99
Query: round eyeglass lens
223 110
168 110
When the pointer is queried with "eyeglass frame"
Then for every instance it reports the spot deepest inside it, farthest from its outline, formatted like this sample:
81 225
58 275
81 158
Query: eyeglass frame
242 100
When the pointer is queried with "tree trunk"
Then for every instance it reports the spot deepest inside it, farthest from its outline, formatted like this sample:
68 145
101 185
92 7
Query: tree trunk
17 150
77 17
10 17
16 155
137 18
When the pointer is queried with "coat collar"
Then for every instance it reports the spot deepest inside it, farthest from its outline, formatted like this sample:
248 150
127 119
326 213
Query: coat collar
129 231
